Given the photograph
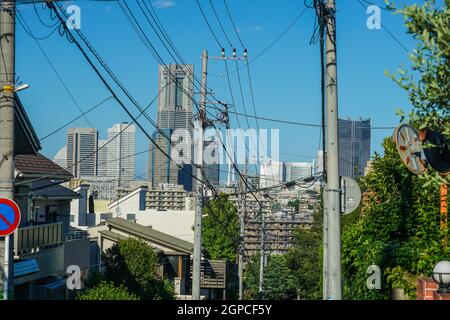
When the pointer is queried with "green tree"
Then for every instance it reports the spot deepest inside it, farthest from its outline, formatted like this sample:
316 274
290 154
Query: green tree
107 291
428 81
134 264
279 283
294 204
304 260
220 229
397 229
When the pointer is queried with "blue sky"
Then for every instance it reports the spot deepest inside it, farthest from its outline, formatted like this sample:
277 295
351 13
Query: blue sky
286 79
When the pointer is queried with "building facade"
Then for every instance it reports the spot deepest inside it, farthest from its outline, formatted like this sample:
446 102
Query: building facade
297 170
82 144
354 146
174 112
271 174
121 150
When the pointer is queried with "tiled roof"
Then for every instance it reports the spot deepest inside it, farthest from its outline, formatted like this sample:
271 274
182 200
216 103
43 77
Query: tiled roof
39 165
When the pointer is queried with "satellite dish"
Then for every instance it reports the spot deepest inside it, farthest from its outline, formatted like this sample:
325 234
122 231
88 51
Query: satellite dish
438 156
351 195
410 148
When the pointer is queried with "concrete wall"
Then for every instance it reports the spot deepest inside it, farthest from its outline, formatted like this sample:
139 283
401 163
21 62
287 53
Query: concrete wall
175 223
79 207
131 203
51 263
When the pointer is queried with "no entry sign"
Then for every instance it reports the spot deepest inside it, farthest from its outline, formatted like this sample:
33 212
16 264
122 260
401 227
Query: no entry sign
9 217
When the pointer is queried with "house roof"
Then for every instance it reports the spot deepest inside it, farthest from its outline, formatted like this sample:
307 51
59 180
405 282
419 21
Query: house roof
26 139
117 237
51 189
151 235
36 165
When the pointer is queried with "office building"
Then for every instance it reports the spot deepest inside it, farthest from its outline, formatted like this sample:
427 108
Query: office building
297 170
354 146
61 158
174 112
175 106
271 173
82 145
121 150
102 158
319 163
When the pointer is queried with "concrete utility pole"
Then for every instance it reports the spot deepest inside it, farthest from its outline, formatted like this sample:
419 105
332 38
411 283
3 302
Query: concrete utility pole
7 103
332 163
263 252
325 244
242 235
196 273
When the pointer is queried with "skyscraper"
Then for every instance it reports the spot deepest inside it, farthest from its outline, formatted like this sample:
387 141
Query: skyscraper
271 173
297 170
354 146
175 106
121 150
174 112
319 162
61 158
102 158
82 145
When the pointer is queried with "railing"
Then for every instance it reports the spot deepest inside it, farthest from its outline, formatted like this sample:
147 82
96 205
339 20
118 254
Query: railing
75 234
32 239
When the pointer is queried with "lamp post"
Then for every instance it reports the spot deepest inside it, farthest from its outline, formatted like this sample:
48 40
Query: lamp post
441 275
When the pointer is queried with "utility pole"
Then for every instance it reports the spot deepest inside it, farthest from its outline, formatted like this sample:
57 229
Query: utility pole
332 163
7 104
242 235
263 253
196 273
325 244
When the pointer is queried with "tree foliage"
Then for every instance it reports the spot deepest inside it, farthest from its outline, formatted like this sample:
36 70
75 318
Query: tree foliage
107 291
397 229
279 283
304 260
428 81
134 264
220 229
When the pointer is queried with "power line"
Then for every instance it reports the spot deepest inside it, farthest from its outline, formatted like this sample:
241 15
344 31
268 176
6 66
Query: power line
278 38
103 80
158 58
232 22
208 24
387 30
76 118
220 23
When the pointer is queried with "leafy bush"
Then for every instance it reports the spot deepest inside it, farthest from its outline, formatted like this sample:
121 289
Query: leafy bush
107 291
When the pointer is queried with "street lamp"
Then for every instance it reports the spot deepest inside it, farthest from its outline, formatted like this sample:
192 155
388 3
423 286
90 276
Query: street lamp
441 275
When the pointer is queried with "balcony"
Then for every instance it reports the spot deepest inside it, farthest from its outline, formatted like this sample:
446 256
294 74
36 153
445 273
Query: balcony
36 238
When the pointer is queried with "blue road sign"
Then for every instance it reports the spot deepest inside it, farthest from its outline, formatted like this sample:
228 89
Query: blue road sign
9 217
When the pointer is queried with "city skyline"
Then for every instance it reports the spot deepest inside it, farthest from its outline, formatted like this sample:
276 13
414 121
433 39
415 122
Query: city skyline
302 107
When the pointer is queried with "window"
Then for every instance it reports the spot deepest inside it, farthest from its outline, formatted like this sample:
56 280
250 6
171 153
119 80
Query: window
131 217
179 93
